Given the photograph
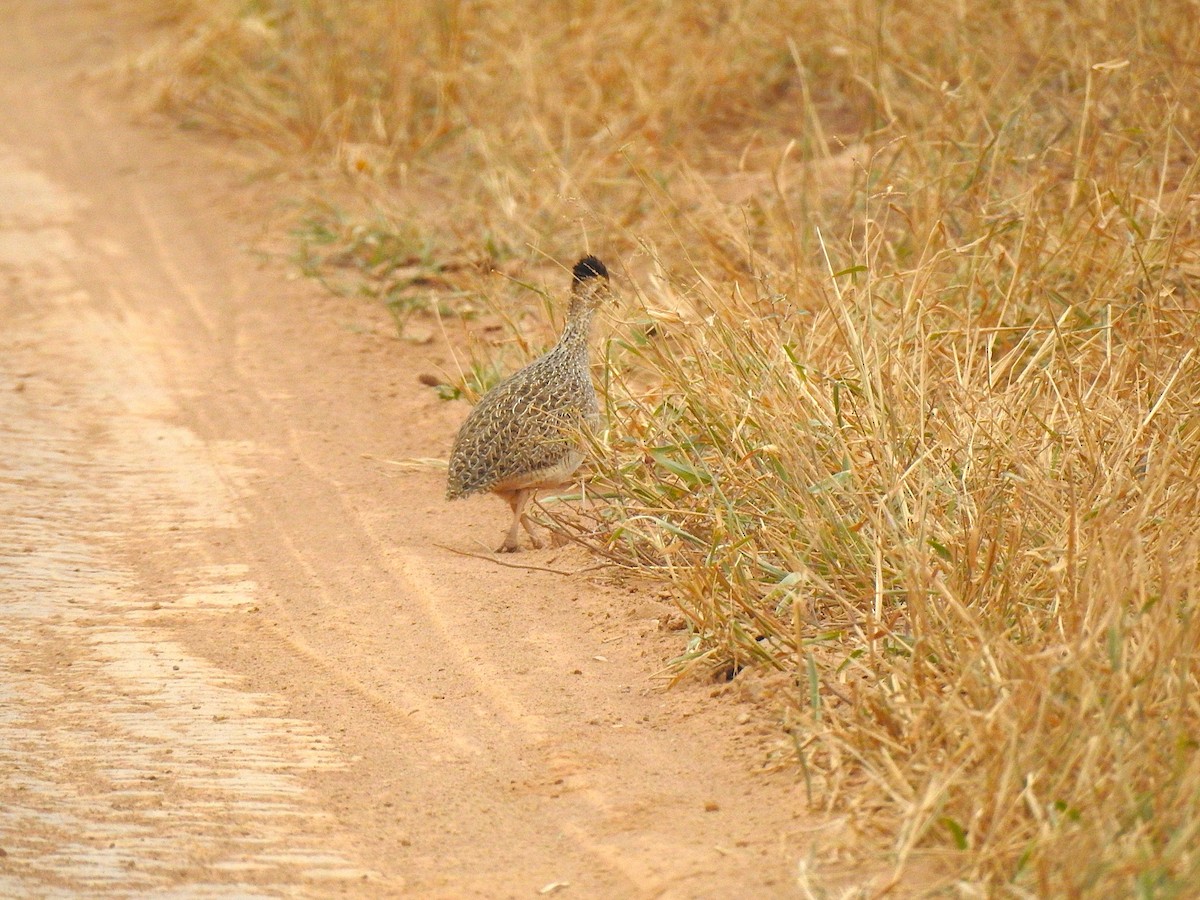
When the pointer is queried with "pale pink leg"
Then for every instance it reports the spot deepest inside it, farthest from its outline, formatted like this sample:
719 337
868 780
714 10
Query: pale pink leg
518 500
525 520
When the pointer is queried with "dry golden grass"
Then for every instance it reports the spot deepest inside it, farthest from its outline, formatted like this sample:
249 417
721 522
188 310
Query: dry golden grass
909 410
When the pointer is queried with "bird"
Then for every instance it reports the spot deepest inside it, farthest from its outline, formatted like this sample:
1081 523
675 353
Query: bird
524 435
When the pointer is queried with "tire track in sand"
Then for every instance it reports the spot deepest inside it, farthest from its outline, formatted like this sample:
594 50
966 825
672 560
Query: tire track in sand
114 740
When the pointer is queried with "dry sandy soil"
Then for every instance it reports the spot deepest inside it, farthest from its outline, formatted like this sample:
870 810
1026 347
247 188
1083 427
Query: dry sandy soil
240 656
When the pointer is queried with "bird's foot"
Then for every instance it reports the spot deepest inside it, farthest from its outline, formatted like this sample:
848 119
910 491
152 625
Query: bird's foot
514 546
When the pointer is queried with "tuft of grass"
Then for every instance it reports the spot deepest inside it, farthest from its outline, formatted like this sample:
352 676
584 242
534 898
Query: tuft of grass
906 403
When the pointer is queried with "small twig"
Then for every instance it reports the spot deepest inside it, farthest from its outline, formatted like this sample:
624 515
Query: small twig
412 463
500 562
837 693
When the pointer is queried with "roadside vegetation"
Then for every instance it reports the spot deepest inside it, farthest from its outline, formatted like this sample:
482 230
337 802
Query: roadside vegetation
905 397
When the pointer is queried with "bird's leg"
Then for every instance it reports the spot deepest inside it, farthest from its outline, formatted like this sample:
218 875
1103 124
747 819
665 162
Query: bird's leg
520 504
511 544
528 523
518 500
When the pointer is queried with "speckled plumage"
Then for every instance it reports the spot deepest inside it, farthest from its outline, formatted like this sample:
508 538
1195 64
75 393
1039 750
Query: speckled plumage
523 435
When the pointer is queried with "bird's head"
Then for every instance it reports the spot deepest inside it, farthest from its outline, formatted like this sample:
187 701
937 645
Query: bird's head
589 282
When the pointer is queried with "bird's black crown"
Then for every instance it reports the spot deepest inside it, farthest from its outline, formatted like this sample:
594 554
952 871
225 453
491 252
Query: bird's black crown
589 267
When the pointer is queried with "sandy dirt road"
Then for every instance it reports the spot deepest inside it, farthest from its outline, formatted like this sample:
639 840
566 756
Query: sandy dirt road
236 661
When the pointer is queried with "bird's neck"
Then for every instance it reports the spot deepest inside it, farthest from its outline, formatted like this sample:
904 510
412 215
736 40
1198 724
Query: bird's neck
579 326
